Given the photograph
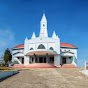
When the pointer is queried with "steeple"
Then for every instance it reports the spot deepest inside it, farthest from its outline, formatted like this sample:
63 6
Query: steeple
33 35
43 18
43 26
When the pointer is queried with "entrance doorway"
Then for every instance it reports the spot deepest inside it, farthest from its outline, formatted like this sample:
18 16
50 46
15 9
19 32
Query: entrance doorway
64 60
42 59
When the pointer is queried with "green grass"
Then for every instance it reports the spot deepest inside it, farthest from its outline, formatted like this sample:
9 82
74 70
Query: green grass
5 69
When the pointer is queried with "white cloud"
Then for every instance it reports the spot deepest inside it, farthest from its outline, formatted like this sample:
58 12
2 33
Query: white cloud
6 40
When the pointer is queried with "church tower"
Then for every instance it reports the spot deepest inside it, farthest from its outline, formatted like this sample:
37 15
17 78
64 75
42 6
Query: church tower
43 27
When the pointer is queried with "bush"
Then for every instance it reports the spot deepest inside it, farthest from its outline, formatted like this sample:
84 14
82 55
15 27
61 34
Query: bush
2 65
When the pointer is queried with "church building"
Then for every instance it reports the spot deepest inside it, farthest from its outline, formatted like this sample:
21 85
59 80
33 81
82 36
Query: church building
44 49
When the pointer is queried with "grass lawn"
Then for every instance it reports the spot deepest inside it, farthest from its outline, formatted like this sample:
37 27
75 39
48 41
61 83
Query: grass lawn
5 69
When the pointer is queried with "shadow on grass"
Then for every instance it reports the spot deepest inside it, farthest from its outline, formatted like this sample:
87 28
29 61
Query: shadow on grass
22 69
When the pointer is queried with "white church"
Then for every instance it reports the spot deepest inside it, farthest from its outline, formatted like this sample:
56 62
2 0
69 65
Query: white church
44 49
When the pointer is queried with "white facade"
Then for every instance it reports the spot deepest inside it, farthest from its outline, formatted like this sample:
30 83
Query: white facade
44 49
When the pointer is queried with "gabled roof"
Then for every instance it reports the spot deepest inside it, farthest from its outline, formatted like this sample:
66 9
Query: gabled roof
67 45
61 45
19 46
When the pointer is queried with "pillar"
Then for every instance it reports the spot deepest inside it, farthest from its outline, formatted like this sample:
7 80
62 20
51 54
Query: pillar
47 58
26 60
57 60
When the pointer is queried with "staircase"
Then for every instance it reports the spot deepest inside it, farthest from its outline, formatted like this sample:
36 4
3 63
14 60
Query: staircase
17 65
68 66
43 65
40 65
34 65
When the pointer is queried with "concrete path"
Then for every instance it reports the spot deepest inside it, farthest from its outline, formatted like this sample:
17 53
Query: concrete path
47 78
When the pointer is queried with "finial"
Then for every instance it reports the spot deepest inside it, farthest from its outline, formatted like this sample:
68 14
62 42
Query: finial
33 35
43 11
57 36
54 35
26 38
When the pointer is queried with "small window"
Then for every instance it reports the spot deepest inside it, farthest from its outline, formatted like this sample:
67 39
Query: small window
41 46
43 25
31 48
51 48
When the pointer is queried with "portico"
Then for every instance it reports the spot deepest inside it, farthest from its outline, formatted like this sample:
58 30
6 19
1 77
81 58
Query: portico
41 57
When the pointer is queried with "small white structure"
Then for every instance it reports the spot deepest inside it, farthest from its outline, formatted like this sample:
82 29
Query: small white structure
44 49
85 71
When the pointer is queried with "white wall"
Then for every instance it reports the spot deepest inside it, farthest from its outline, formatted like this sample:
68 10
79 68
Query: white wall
73 50
32 45
51 45
46 41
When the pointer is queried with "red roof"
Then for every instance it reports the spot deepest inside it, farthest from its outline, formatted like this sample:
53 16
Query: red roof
67 45
19 46
61 45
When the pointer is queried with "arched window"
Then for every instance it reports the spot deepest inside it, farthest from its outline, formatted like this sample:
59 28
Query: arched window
31 48
51 48
41 46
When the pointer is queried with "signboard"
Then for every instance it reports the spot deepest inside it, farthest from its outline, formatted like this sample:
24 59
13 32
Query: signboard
86 65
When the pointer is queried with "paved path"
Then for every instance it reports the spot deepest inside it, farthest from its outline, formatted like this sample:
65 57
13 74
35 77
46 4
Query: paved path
47 78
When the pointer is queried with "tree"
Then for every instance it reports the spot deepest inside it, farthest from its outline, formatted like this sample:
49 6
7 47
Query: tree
7 56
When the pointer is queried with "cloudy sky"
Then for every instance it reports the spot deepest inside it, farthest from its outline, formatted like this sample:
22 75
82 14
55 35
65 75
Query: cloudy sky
69 18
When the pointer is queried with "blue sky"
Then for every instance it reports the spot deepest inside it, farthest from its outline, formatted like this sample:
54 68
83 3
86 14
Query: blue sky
69 18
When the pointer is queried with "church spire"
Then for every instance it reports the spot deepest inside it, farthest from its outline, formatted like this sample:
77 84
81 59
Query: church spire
43 27
33 35
43 18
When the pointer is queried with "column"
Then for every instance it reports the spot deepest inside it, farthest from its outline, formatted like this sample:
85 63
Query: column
47 58
57 60
26 60
30 61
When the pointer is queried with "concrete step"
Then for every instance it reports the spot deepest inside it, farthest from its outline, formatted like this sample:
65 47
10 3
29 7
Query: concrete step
68 66
18 65
40 65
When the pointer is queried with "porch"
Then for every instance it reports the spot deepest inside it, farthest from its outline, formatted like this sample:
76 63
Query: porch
68 59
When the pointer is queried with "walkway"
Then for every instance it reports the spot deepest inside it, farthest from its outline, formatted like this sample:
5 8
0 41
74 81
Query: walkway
47 78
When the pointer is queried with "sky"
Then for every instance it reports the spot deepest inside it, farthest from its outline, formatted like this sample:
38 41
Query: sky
68 18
